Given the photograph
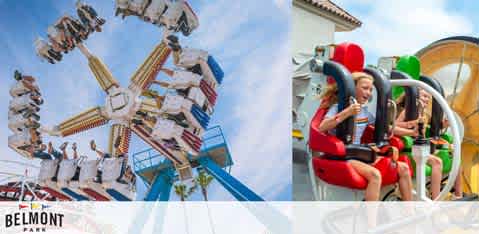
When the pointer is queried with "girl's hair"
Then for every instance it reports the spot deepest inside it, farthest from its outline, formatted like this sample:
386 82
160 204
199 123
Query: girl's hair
330 96
401 104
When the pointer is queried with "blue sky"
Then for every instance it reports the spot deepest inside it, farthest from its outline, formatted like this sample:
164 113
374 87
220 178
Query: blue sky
250 39
403 27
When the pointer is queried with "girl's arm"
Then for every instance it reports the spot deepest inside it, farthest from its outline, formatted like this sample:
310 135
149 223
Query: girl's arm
400 131
331 122
400 122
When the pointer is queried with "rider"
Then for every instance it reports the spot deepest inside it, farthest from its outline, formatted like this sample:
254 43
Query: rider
434 161
364 87
121 154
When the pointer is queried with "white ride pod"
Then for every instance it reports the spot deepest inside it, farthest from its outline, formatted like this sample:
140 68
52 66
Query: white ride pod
46 51
19 89
189 57
48 169
210 70
18 139
175 104
53 35
182 79
121 5
154 11
197 96
137 6
17 122
88 172
23 103
111 169
179 17
66 171
166 129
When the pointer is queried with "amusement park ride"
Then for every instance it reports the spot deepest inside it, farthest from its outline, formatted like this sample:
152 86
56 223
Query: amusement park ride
174 124
332 178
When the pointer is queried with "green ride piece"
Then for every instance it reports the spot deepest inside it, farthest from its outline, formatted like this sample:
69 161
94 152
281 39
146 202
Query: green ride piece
448 137
413 165
410 65
408 142
444 155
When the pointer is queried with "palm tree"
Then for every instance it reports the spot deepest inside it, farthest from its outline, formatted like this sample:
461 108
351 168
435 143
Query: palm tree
180 190
183 192
203 180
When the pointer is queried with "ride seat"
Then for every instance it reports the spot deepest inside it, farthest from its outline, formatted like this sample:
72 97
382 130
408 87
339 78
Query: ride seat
48 169
395 141
88 171
332 166
111 169
67 170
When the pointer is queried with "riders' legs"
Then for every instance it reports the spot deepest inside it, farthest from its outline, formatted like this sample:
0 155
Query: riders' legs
50 147
405 182
75 152
372 175
64 153
436 175
176 57
458 184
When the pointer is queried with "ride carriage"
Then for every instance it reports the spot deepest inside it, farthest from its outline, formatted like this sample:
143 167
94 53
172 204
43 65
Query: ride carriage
338 181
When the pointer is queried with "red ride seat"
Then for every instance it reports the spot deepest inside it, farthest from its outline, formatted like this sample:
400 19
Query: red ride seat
393 141
339 172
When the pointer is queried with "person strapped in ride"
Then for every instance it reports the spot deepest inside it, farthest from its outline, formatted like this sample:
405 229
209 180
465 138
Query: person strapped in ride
424 100
121 153
362 116
364 87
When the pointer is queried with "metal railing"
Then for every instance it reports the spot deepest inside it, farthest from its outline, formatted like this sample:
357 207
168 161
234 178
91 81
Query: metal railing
150 158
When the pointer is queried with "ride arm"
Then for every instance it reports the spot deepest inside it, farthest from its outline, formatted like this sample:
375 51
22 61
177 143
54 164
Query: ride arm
150 68
86 120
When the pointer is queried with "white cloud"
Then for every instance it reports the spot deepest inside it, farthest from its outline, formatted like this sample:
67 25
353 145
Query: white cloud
254 102
261 146
402 27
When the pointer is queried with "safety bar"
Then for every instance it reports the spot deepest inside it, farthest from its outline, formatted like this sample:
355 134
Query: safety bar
454 129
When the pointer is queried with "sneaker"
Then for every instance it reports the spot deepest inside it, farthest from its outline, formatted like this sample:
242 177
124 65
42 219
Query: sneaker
117 142
23 147
93 145
137 121
141 113
63 146
121 181
17 75
33 124
150 93
173 39
101 21
174 47
465 197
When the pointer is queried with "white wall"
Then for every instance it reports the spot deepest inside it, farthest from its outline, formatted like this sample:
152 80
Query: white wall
310 30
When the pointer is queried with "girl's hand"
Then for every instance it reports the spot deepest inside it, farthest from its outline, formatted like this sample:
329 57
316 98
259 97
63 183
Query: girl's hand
412 124
445 123
414 132
353 109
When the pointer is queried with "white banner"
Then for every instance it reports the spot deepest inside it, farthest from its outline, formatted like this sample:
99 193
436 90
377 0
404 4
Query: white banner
236 217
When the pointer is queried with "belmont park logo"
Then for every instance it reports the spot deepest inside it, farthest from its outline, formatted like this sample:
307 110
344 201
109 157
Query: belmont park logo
34 217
